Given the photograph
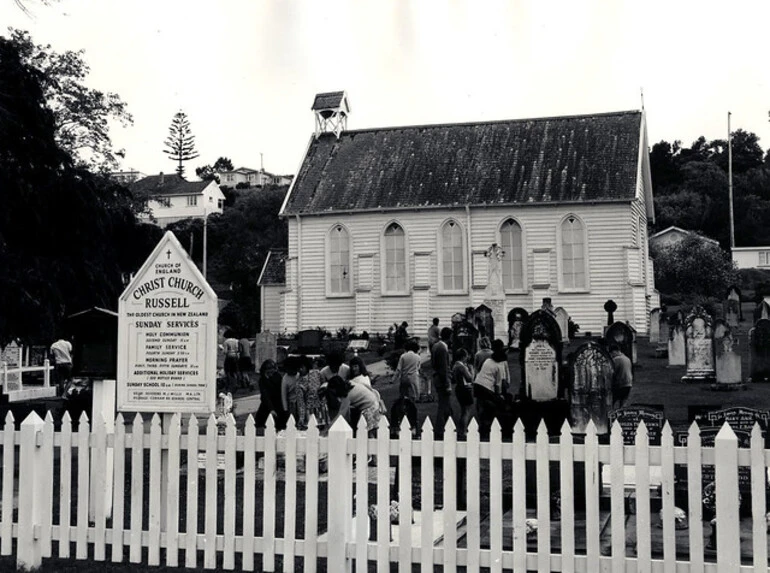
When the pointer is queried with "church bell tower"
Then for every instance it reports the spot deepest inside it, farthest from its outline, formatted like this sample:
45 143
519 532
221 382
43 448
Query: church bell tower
331 113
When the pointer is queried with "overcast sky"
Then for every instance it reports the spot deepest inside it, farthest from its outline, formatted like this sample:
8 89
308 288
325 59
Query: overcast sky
246 71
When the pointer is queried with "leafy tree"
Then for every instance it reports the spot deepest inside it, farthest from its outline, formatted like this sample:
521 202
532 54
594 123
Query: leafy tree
81 115
180 142
209 173
693 270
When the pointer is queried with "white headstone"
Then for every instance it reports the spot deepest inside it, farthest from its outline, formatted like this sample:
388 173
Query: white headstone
541 371
654 326
699 347
562 318
12 356
266 347
167 336
494 293
728 359
676 355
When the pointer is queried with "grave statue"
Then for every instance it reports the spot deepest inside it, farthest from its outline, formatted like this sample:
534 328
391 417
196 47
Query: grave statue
494 293
610 307
699 347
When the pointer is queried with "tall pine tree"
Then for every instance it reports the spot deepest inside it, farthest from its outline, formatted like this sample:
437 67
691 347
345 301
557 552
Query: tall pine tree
180 142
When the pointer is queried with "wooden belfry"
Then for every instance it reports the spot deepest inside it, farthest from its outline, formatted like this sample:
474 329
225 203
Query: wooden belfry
331 113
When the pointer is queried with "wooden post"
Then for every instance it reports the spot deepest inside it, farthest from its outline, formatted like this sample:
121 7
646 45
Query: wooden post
33 470
46 373
728 526
340 480
104 406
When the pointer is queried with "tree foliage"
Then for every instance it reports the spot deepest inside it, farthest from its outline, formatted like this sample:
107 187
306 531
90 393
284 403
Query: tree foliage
693 270
209 173
81 115
180 143
67 235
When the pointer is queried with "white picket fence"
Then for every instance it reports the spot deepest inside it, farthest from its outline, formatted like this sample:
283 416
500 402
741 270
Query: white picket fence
163 510
17 391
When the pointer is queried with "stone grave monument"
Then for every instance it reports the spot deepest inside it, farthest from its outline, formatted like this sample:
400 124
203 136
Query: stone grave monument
548 306
464 335
562 319
655 326
590 392
494 293
762 310
11 355
630 417
484 321
732 306
621 334
727 357
541 357
610 307
676 356
699 347
759 351
516 319
266 348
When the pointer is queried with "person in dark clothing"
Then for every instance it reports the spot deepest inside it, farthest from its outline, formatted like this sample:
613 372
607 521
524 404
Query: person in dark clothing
442 380
270 395
401 336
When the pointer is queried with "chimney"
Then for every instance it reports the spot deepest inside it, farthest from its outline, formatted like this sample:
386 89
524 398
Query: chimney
331 113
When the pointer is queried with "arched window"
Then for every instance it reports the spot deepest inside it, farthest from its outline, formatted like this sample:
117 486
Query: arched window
394 259
340 281
452 269
573 254
511 243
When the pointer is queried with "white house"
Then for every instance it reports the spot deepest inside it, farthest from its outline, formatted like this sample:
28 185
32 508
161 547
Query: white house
751 257
272 283
673 235
245 175
391 224
171 198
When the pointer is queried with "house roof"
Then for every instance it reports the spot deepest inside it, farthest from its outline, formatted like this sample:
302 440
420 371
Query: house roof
274 270
549 160
680 231
172 184
328 100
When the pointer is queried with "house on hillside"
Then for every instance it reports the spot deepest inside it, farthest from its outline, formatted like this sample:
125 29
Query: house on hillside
127 177
247 177
272 283
751 257
392 224
674 235
171 198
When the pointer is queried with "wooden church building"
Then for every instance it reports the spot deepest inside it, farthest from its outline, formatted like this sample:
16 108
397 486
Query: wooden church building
391 224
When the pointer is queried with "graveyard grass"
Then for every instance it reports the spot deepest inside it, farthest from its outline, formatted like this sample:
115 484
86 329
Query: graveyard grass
655 383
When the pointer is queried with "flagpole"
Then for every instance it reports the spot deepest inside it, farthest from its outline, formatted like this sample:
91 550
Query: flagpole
730 179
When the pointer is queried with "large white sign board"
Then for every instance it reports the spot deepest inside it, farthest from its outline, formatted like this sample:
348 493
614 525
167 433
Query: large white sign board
167 336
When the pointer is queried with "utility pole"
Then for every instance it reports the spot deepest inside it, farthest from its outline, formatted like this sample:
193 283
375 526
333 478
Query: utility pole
730 179
205 239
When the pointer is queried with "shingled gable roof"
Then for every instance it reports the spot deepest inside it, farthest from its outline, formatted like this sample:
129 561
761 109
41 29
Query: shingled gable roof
586 158
327 100
172 184
274 270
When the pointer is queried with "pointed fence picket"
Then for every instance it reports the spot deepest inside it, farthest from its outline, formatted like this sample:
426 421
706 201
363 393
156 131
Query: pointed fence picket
220 520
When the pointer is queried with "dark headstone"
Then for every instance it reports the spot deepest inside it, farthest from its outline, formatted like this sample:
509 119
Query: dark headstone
464 335
762 310
732 306
485 324
699 347
630 417
621 334
309 341
610 307
548 306
95 343
759 351
516 319
590 392
541 357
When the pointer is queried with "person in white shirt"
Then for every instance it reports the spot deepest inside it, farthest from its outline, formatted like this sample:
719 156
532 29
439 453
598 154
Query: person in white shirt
407 372
61 353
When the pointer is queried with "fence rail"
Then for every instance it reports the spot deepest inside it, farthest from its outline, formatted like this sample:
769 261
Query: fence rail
212 495
12 382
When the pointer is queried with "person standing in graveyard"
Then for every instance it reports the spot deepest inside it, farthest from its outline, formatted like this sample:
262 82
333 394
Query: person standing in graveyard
442 380
407 372
356 400
245 365
492 384
434 334
485 351
462 376
623 377
61 353
269 394
401 336
290 391
358 372
232 353
310 385
335 366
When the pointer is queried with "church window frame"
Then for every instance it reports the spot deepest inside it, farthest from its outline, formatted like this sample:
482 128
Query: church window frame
452 254
394 259
513 255
571 233
339 262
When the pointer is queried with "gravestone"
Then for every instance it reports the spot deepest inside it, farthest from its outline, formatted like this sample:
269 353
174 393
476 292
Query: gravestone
266 348
762 310
630 417
548 306
484 321
663 329
309 341
621 334
732 306
633 343
699 347
655 326
610 307
676 355
516 319
727 357
590 392
12 356
464 335
562 319
759 351
494 293
541 357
